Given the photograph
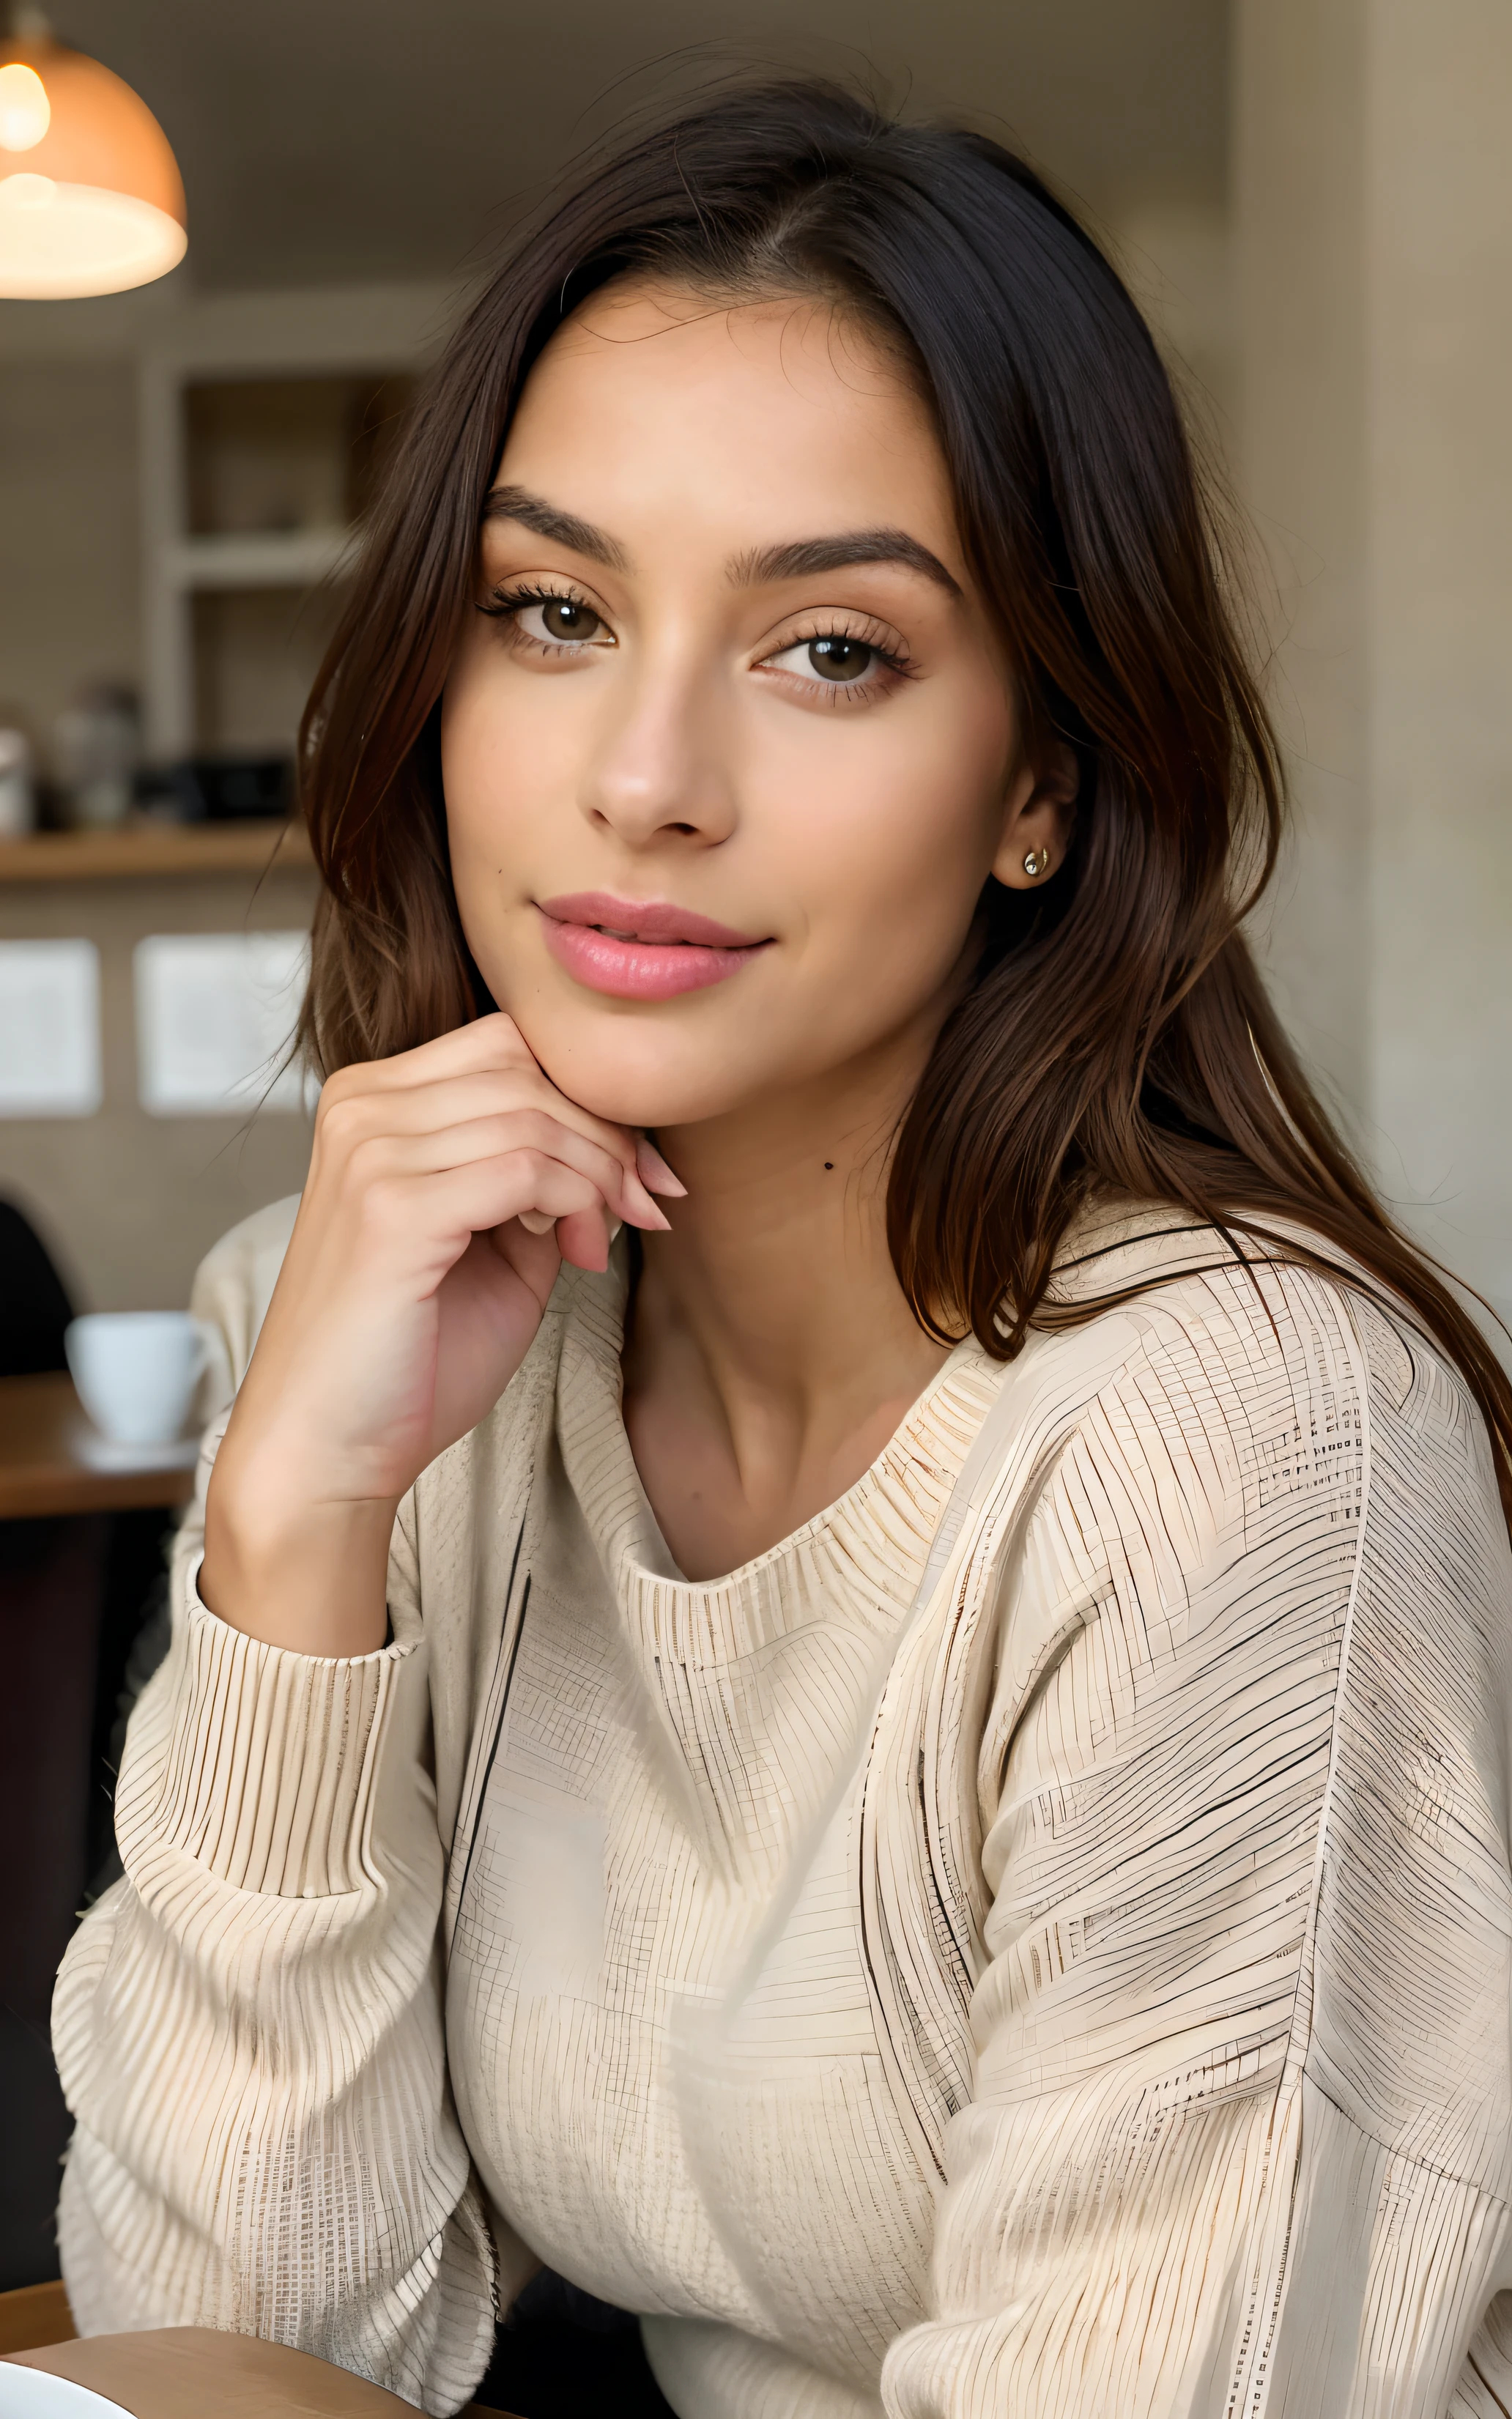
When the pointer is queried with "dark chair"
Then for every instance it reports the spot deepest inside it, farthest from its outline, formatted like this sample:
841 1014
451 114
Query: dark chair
561 2354
34 1307
52 1579
72 1598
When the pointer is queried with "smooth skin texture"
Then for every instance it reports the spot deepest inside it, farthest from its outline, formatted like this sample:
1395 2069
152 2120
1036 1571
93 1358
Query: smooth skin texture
727 657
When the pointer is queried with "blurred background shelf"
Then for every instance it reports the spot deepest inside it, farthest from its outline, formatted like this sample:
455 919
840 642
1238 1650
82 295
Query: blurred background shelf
147 849
257 469
295 558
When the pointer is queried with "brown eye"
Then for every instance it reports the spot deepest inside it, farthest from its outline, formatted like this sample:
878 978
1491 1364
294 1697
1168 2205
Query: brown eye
562 620
841 659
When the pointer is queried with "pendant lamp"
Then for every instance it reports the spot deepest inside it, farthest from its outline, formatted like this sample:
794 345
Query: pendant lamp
91 200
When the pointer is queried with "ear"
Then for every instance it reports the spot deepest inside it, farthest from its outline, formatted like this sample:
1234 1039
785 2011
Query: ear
1037 820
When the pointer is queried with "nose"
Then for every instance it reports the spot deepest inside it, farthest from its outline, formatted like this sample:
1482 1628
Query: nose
659 773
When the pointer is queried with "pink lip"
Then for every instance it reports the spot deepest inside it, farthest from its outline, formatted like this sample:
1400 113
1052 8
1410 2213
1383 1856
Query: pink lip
641 949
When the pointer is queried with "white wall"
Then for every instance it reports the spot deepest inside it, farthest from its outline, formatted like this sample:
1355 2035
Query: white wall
1373 180
130 1202
69 550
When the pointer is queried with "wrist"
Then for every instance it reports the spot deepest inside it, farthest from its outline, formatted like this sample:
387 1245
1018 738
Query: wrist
304 1574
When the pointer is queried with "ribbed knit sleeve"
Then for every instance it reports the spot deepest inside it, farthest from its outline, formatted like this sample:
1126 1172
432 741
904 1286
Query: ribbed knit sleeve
1238 2140
263 1776
249 2026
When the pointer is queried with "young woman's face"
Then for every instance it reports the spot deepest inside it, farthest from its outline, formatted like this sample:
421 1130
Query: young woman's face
729 745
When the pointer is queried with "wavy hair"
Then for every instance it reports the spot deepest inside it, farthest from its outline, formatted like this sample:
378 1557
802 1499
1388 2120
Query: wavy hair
1116 1036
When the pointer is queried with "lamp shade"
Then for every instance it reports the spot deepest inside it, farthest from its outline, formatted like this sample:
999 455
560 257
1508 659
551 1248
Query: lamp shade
91 200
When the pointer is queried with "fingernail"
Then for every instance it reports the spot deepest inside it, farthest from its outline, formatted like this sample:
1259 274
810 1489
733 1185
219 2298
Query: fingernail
640 1207
654 1173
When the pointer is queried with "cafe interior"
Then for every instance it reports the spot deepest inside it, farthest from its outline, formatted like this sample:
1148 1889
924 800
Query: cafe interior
231 244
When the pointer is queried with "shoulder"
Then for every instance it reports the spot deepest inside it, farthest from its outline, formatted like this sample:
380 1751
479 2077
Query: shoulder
233 1287
1196 1468
1281 1299
1222 1412
1278 1373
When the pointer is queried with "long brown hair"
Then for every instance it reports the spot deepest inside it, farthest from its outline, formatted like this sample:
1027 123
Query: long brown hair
1116 1037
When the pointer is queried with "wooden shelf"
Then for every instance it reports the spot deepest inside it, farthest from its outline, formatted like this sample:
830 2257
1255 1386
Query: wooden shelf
145 848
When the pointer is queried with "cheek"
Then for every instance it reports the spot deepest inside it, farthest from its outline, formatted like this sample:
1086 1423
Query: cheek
483 778
896 850
488 751
469 748
508 767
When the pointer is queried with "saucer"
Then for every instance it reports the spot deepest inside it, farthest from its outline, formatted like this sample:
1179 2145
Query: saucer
103 1453
37 2394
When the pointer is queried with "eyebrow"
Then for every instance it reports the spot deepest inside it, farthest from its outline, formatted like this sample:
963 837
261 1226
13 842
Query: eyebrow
545 520
798 559
806 555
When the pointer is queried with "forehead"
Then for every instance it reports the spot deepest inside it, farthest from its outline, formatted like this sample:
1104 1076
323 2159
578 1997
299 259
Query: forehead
650 399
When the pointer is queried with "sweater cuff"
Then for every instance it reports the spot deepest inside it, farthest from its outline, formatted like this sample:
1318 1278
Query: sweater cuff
269 1757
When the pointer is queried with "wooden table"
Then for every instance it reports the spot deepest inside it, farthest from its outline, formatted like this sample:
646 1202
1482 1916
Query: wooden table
187 2372
44 1467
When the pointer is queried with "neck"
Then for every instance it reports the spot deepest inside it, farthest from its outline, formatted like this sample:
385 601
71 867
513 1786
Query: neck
771 1353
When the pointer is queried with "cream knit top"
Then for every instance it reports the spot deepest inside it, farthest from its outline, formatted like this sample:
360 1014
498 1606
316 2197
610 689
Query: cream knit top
1033 1944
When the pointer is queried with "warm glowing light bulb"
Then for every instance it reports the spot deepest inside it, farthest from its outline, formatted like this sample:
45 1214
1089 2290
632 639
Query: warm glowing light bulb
23 192
25 112
94 203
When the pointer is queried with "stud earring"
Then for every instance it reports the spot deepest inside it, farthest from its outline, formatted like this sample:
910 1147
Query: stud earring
1036 862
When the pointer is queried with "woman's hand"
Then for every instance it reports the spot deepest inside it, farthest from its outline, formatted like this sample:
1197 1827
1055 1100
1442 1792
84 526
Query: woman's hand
446 1188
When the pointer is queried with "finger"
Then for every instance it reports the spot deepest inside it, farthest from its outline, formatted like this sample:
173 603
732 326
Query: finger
452 1100
348 1118
417 1227
442 1210
583 1238
487 1042
521 1129
535 1258
654 1172
536 1222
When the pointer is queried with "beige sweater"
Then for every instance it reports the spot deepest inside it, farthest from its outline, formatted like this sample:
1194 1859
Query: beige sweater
1034 1945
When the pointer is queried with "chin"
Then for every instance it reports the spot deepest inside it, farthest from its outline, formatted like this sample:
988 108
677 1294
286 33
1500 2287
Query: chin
626 1070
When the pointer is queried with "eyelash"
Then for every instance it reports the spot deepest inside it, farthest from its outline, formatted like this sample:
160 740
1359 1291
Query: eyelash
503 604
892 664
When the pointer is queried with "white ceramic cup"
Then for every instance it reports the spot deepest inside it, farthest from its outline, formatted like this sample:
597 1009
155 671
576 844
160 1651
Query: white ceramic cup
136 1371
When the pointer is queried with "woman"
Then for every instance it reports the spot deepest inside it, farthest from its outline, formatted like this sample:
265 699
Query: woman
889 1748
